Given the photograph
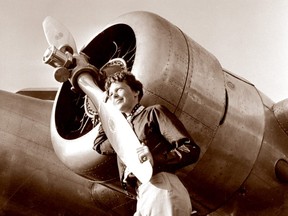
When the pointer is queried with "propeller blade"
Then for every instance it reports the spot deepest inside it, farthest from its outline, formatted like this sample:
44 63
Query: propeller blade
57 34
119 132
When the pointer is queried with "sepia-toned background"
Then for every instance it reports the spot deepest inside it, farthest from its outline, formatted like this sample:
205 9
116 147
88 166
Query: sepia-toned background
249 37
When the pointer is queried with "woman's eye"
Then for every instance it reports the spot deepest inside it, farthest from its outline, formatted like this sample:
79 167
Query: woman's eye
120 90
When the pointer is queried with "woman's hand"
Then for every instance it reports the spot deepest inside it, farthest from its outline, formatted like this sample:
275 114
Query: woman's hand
144 154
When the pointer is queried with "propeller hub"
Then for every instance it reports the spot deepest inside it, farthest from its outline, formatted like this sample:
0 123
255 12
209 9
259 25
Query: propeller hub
57 58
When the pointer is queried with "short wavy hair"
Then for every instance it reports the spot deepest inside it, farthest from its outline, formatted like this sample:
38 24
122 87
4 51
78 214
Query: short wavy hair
128 78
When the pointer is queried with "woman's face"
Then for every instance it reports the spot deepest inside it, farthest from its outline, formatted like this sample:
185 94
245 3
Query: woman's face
123 97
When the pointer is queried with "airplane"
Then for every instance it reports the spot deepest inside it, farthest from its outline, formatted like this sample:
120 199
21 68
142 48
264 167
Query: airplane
48 166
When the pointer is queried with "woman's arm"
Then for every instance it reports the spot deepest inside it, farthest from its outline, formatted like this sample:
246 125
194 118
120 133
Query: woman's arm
102 144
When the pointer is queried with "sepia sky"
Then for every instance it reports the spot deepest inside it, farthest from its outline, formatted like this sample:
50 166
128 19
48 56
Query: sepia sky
248 37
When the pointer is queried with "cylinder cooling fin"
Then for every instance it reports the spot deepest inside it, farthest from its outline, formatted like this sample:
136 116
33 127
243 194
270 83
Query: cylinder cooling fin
117 41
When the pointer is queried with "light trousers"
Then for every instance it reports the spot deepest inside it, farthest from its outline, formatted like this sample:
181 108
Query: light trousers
164 195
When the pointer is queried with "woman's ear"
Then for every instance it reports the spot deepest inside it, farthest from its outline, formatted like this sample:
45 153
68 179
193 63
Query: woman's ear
136 94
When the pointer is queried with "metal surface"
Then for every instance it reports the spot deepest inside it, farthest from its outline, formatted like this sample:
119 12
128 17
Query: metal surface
72 143
234 148
280 110
223 113
241 133
262 193
33 180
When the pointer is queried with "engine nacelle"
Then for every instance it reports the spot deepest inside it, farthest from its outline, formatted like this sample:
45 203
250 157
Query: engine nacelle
217 108
174 70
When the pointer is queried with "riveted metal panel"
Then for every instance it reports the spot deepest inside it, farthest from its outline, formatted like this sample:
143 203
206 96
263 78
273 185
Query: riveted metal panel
280 110
204 95
234 149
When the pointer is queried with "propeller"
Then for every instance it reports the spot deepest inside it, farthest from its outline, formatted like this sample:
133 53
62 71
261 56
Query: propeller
58 35
81 74
62 53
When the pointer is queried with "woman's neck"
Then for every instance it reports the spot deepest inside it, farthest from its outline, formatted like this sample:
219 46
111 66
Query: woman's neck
133 110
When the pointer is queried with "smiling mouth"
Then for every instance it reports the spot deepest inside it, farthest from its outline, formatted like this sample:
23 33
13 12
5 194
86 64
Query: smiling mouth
118 101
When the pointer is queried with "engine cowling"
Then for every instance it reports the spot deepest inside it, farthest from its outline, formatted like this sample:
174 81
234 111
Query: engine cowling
165 60
180 74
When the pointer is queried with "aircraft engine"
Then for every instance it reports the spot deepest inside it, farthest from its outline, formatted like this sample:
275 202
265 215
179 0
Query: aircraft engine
165 60
223 113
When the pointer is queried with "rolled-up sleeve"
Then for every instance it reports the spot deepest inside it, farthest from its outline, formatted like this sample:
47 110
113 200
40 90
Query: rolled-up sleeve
102 144
171 127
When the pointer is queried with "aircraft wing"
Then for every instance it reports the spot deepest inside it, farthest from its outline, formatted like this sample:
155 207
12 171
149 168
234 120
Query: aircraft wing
33 180
44 94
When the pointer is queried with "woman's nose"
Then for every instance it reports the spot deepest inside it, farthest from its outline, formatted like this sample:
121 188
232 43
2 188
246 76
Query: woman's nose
115 95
